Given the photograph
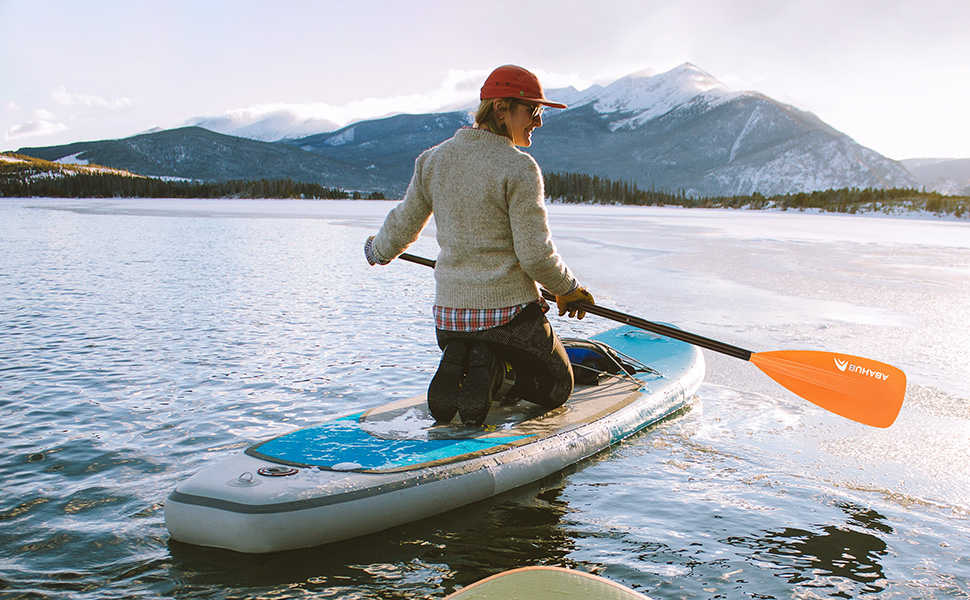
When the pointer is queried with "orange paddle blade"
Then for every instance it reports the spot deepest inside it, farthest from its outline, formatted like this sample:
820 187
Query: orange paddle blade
861 389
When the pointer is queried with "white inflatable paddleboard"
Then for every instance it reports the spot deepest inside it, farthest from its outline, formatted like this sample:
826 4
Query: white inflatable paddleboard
392 465
545 583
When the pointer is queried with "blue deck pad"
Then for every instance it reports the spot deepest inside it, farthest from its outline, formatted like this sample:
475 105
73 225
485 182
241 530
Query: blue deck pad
342 442
666 355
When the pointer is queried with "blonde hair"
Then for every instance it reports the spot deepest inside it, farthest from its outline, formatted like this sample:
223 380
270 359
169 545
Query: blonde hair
485 117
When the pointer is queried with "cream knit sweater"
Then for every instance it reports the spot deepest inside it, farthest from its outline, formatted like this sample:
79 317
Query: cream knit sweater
490 216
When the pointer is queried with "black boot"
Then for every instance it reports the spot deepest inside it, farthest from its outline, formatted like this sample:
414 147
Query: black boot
504 383
446 383
475 397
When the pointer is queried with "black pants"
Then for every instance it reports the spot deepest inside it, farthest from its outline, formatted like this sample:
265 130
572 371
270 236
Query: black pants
543 374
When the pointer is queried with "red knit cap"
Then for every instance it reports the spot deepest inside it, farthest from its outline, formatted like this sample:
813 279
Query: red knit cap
510 81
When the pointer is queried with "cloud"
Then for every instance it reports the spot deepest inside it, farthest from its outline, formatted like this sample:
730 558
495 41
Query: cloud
41 123
267 123
457 90
65 98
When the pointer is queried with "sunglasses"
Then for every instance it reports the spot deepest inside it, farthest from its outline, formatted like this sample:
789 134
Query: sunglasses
535 108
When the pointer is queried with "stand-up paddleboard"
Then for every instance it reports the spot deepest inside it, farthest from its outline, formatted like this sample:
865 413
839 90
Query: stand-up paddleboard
392 464
546 583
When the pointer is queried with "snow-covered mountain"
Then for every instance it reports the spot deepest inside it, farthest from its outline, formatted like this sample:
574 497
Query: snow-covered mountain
648 95
264 126
645 91
679 131
950 176
683 130
198 154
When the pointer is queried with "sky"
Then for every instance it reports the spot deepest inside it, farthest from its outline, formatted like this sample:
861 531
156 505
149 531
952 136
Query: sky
894 75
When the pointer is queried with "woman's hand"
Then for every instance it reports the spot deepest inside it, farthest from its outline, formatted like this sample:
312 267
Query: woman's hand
577 295
373 257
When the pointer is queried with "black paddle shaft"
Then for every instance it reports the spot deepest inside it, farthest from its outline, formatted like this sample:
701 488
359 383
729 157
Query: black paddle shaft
619 317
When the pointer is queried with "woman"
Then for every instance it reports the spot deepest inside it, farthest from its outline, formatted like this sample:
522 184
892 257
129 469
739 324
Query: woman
488 202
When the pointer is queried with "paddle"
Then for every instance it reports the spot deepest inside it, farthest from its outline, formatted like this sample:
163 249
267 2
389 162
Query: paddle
861 389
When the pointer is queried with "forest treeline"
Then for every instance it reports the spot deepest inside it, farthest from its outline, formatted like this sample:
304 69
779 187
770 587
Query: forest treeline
122 186
29 177
26 177
590 189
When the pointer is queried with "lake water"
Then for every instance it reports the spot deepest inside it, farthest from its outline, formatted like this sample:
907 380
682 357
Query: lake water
142 340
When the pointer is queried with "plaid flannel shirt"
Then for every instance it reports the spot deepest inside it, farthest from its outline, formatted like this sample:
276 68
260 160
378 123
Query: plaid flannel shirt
478 319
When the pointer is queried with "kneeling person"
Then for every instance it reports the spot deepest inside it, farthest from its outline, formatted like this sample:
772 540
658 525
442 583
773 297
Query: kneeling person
487 198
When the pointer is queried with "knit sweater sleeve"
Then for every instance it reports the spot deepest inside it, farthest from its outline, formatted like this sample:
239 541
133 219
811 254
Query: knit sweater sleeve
531 237
404 223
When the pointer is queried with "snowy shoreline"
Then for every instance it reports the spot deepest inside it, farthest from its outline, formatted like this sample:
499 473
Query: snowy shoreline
319 208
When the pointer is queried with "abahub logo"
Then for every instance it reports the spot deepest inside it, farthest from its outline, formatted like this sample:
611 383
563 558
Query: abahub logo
845 365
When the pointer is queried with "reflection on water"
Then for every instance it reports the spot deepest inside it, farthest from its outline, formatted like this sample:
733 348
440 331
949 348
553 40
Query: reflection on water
825 558
139 345
443 553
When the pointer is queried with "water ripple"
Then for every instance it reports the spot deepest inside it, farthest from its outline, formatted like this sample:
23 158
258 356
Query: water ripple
139 345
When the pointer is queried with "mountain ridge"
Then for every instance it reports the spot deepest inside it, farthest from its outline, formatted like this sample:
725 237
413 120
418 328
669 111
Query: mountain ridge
199 154
950 176
681 131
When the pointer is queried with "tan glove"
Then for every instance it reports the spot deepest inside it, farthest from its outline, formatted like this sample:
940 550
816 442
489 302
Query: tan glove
373 256
579 294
